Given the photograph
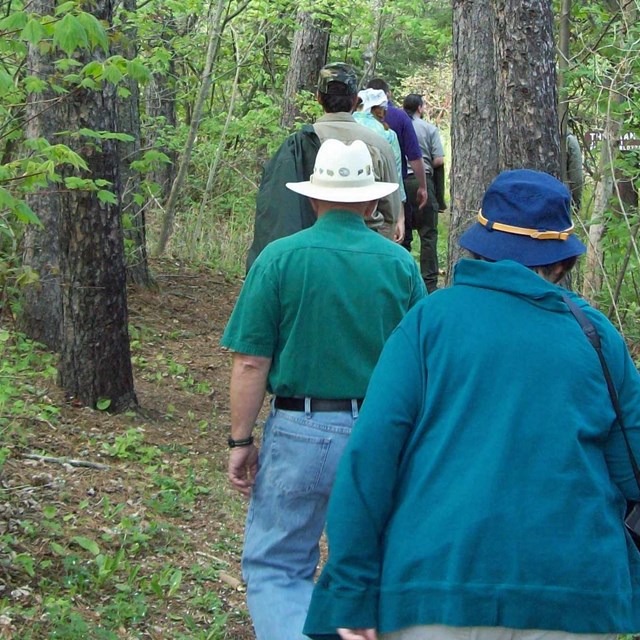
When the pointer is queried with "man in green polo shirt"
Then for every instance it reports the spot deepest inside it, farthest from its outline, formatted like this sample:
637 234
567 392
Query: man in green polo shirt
309 325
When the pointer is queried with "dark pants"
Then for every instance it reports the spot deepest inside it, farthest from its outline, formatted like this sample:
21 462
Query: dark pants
425 222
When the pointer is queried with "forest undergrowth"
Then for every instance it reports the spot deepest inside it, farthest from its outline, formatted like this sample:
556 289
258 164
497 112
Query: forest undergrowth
124 526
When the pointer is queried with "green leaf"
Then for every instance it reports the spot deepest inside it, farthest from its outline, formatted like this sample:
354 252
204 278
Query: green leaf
65 6
87 543
175 581
103 403
69 34
25 214
74 182
90 133
58 549
6 82
26 562
94 69
107 196
89 83
65 64
63 155
6 199
112 73
14 22
138 71
33 31
95 31
33 84
49 512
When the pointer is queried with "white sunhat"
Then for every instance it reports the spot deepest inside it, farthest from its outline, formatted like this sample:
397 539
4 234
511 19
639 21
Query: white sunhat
343 173
373 98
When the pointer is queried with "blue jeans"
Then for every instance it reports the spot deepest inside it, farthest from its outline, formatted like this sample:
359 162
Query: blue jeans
298 460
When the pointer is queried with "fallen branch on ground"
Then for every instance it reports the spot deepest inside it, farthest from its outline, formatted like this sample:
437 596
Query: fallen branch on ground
71 461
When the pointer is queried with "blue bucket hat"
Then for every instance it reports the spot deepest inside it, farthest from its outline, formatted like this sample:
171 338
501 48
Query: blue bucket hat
526 217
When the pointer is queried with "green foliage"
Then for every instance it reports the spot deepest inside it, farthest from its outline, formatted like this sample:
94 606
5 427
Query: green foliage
22 364
60 37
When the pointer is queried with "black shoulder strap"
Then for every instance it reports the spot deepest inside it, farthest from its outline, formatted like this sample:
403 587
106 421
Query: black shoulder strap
594 338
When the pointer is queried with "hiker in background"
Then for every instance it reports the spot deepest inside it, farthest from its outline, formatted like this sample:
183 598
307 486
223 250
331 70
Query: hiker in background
370 112
398 120
482 493
426 219
280 212
308 326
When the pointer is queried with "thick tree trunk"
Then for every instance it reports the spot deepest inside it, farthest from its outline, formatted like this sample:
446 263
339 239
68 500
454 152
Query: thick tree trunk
308 56
504 100
95 361
474 131
41 315
526 95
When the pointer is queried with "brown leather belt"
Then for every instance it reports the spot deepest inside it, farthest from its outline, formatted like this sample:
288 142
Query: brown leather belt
316 404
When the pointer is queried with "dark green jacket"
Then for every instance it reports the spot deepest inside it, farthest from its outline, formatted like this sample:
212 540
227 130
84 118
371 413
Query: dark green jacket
279 211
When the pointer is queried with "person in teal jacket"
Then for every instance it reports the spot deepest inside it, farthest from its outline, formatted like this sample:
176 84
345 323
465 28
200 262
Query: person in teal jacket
483 490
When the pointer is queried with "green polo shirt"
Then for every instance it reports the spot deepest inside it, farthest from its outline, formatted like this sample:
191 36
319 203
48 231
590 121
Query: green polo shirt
321 303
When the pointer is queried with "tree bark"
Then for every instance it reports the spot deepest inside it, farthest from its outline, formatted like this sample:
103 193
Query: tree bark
474 131
563 65
95 362
308 56
129 122
525 67
41 315
160 99
504 100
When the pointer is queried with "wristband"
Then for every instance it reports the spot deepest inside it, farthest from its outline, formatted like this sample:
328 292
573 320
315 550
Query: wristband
245 442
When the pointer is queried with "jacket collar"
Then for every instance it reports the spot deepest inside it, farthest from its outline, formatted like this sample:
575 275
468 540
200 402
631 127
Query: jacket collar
512 278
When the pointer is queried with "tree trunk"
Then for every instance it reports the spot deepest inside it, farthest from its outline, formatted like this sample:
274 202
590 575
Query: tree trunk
308 56
160 100
526 95
213 169
504 100
563 65
594 264
370 55
41 315
95 361
594 273
474 132
129 122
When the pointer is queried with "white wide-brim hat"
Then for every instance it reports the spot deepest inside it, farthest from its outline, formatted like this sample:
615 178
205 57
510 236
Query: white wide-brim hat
343 173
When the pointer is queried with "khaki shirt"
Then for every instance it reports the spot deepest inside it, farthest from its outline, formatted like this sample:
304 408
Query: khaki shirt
342 126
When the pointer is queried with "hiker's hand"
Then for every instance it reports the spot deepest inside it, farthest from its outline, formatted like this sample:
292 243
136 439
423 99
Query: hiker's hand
243 466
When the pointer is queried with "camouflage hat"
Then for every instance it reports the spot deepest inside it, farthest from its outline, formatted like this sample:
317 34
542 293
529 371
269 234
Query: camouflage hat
338 79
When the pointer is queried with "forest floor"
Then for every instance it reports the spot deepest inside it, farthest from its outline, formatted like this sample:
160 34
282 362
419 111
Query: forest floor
148 546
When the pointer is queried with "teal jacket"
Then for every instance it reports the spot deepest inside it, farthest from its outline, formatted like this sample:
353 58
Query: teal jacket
485 481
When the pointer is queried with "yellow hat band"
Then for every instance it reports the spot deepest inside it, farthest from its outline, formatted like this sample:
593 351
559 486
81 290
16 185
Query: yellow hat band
536 234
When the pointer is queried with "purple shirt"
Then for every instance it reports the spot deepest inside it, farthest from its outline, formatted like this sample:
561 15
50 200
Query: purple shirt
401 123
